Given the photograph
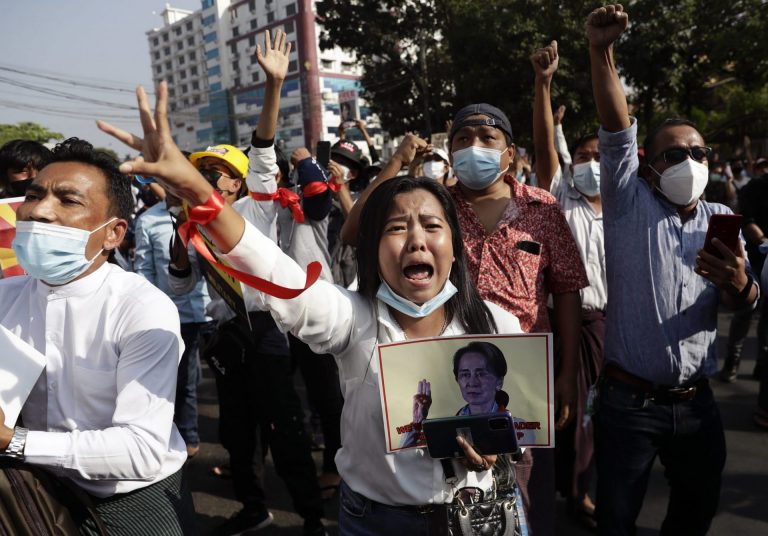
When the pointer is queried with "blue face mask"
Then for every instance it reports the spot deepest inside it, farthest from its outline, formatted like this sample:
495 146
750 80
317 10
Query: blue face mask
586 178
52 253
477 167
407 307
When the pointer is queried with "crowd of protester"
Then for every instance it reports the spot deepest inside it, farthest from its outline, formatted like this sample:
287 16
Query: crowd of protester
599 240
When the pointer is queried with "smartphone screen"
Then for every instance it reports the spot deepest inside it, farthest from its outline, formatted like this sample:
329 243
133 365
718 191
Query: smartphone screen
726 228
323 153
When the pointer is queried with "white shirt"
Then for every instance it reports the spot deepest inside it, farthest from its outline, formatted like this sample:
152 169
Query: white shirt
101 412
587 229
331 319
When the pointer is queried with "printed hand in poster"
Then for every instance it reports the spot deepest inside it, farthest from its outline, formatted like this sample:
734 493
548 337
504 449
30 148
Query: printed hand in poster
422 400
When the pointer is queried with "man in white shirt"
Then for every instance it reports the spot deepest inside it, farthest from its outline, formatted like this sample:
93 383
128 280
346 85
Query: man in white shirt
101 413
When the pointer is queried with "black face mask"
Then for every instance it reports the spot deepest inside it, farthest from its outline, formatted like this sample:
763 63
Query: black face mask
19 188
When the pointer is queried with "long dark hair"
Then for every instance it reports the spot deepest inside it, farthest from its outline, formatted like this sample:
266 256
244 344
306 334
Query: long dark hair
467 306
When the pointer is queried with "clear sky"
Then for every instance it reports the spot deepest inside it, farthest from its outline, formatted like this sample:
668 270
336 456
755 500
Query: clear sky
91 42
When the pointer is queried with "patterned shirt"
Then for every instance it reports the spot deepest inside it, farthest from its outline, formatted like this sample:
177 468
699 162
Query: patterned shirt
530 254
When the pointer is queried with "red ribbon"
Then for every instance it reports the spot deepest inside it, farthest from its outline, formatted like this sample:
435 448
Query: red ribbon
205 214
319 187
286 198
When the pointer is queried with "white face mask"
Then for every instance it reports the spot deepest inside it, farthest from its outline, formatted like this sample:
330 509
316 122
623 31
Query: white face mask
586 178
434 169
344 173
683 183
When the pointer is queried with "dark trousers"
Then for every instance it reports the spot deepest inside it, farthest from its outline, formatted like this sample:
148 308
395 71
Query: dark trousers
187 380
259 410
687 436
321 376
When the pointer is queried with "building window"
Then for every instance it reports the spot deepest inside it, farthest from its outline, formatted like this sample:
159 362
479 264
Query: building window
254 24
189 26
255 77
233 48
235 31
184 88
290 9
216 86
192 56
214 71
252 5
167 51
210 19
157 55
193 70
196 99
169 79
181 60
195 84
177 31
168 65
209 37
190 41
165 38
252 41
182 74
207 3
270 16
235 67
346 67
155 41
292 65
236 82
254 59
289 28
327 65
158 69
171 92
212 54
179 45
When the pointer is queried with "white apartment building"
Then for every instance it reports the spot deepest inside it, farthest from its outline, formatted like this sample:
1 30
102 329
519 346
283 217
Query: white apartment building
216 87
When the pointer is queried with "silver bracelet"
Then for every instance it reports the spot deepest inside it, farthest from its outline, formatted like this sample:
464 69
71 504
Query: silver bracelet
15 448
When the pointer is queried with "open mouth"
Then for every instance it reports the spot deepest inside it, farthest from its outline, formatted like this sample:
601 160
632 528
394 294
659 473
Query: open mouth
418 272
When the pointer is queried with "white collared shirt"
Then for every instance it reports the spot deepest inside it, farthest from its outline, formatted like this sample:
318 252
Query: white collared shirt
101 412
331 319
587 229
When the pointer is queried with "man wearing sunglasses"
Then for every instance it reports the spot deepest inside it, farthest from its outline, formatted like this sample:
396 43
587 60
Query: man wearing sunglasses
664 292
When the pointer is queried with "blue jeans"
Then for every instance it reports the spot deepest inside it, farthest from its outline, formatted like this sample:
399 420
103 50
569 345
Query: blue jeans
688 437
185 410
359 516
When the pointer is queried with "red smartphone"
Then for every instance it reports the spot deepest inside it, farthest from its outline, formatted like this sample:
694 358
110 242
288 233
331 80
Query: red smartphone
726 228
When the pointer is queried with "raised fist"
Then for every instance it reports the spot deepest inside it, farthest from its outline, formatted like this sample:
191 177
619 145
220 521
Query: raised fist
545 61
605 25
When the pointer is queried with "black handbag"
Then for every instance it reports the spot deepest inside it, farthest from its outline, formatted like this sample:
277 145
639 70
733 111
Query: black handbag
497 516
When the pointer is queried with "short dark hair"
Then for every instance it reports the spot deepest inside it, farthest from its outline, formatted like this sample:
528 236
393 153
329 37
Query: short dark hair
467 306
15 155
282 163
589 136
650 139
494 357
118 186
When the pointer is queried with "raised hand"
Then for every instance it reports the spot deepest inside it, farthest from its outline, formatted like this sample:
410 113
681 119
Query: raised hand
605 25
422 401
545 61
559 114
410 147
161 158
274 59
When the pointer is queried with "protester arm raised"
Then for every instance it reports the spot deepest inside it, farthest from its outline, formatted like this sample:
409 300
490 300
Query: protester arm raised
544 61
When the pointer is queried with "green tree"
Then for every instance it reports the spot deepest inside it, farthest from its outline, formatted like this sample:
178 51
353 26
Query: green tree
27 131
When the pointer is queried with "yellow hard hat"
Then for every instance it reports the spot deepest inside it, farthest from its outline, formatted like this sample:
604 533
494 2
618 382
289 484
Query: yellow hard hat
229 154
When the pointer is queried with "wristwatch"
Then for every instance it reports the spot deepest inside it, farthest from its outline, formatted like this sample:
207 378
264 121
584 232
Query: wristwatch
15 448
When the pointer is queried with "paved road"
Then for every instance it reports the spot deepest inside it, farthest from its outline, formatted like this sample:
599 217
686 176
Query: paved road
744 504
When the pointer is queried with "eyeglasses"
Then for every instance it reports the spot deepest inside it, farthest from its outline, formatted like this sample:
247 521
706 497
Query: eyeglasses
212 176
678 154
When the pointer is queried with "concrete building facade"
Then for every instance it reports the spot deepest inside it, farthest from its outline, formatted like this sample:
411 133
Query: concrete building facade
216 87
